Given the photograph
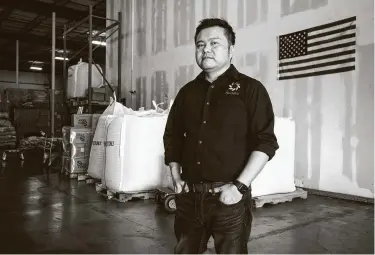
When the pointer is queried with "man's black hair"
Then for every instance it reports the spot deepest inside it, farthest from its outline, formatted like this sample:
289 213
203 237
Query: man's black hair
213 22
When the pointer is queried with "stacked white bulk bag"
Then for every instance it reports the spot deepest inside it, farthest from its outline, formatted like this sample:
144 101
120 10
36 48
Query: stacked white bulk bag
278 174
78 79
97 153
135 152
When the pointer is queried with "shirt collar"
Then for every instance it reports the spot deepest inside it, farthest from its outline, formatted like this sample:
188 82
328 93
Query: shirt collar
231 72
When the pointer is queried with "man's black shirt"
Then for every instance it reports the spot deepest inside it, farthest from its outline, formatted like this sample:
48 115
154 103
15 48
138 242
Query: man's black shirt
212 128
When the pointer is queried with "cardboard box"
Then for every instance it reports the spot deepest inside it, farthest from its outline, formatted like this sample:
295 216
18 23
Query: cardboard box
80 136
81 150
79 165
81 120
98 94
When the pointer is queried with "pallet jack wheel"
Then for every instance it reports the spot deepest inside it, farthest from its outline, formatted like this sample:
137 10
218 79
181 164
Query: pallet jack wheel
158 197
170 203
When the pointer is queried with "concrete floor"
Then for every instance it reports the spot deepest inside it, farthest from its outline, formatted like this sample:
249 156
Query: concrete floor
44 213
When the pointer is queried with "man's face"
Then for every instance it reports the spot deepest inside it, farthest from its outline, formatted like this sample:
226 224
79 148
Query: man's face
212 49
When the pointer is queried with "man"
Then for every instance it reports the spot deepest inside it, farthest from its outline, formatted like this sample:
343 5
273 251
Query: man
219 135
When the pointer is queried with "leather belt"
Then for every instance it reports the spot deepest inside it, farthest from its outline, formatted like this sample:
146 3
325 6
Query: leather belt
204 186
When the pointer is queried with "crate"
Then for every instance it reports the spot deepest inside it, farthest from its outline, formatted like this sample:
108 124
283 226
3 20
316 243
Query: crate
123 196
98 94
280 198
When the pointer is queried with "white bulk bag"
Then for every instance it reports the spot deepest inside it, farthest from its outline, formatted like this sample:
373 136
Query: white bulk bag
97 153
78 79
135 153
278 174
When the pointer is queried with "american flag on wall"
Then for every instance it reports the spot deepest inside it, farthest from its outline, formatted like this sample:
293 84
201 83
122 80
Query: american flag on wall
320 50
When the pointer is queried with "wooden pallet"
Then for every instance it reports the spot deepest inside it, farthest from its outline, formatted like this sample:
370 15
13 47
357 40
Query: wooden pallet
78 176
85 101
279 198
90 180
122 196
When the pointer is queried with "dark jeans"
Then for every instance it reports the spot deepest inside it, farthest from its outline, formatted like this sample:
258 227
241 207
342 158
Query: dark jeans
200 215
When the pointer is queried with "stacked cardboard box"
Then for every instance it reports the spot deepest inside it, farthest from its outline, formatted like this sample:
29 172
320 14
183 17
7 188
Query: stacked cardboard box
85 121
77 142
77 146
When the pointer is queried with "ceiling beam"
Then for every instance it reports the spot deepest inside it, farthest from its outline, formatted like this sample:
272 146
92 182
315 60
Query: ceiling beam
39 19
33 24
9 59
46 58
46 9
41 40
5 14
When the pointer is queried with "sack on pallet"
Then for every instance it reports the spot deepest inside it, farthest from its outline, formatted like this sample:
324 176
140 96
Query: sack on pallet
78 79
5 123
94 121
278 174
135 153
4 115
7 130
97 153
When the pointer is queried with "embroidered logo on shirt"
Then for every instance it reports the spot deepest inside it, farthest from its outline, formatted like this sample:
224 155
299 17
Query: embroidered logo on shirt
233 89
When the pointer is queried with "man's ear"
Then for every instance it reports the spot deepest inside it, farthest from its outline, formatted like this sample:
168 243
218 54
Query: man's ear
231 52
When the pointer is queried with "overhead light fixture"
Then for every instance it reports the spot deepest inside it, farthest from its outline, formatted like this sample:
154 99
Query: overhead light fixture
36 68
99 43
94 32
61 51
35 62
61 58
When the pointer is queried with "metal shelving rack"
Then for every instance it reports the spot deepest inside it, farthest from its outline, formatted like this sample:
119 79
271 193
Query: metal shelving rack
116 25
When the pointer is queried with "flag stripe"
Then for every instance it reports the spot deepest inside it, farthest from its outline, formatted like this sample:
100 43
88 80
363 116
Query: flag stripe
332 67
337 46
318 69
331 32
338 70
326 37
332 44
324 49
318 32
316 56
330 40
317 62
332 24
323 64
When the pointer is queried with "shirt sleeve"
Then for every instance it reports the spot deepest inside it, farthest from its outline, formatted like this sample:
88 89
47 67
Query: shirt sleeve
262 121
174 132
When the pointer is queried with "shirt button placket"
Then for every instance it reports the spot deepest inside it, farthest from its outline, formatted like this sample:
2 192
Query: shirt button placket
204 122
